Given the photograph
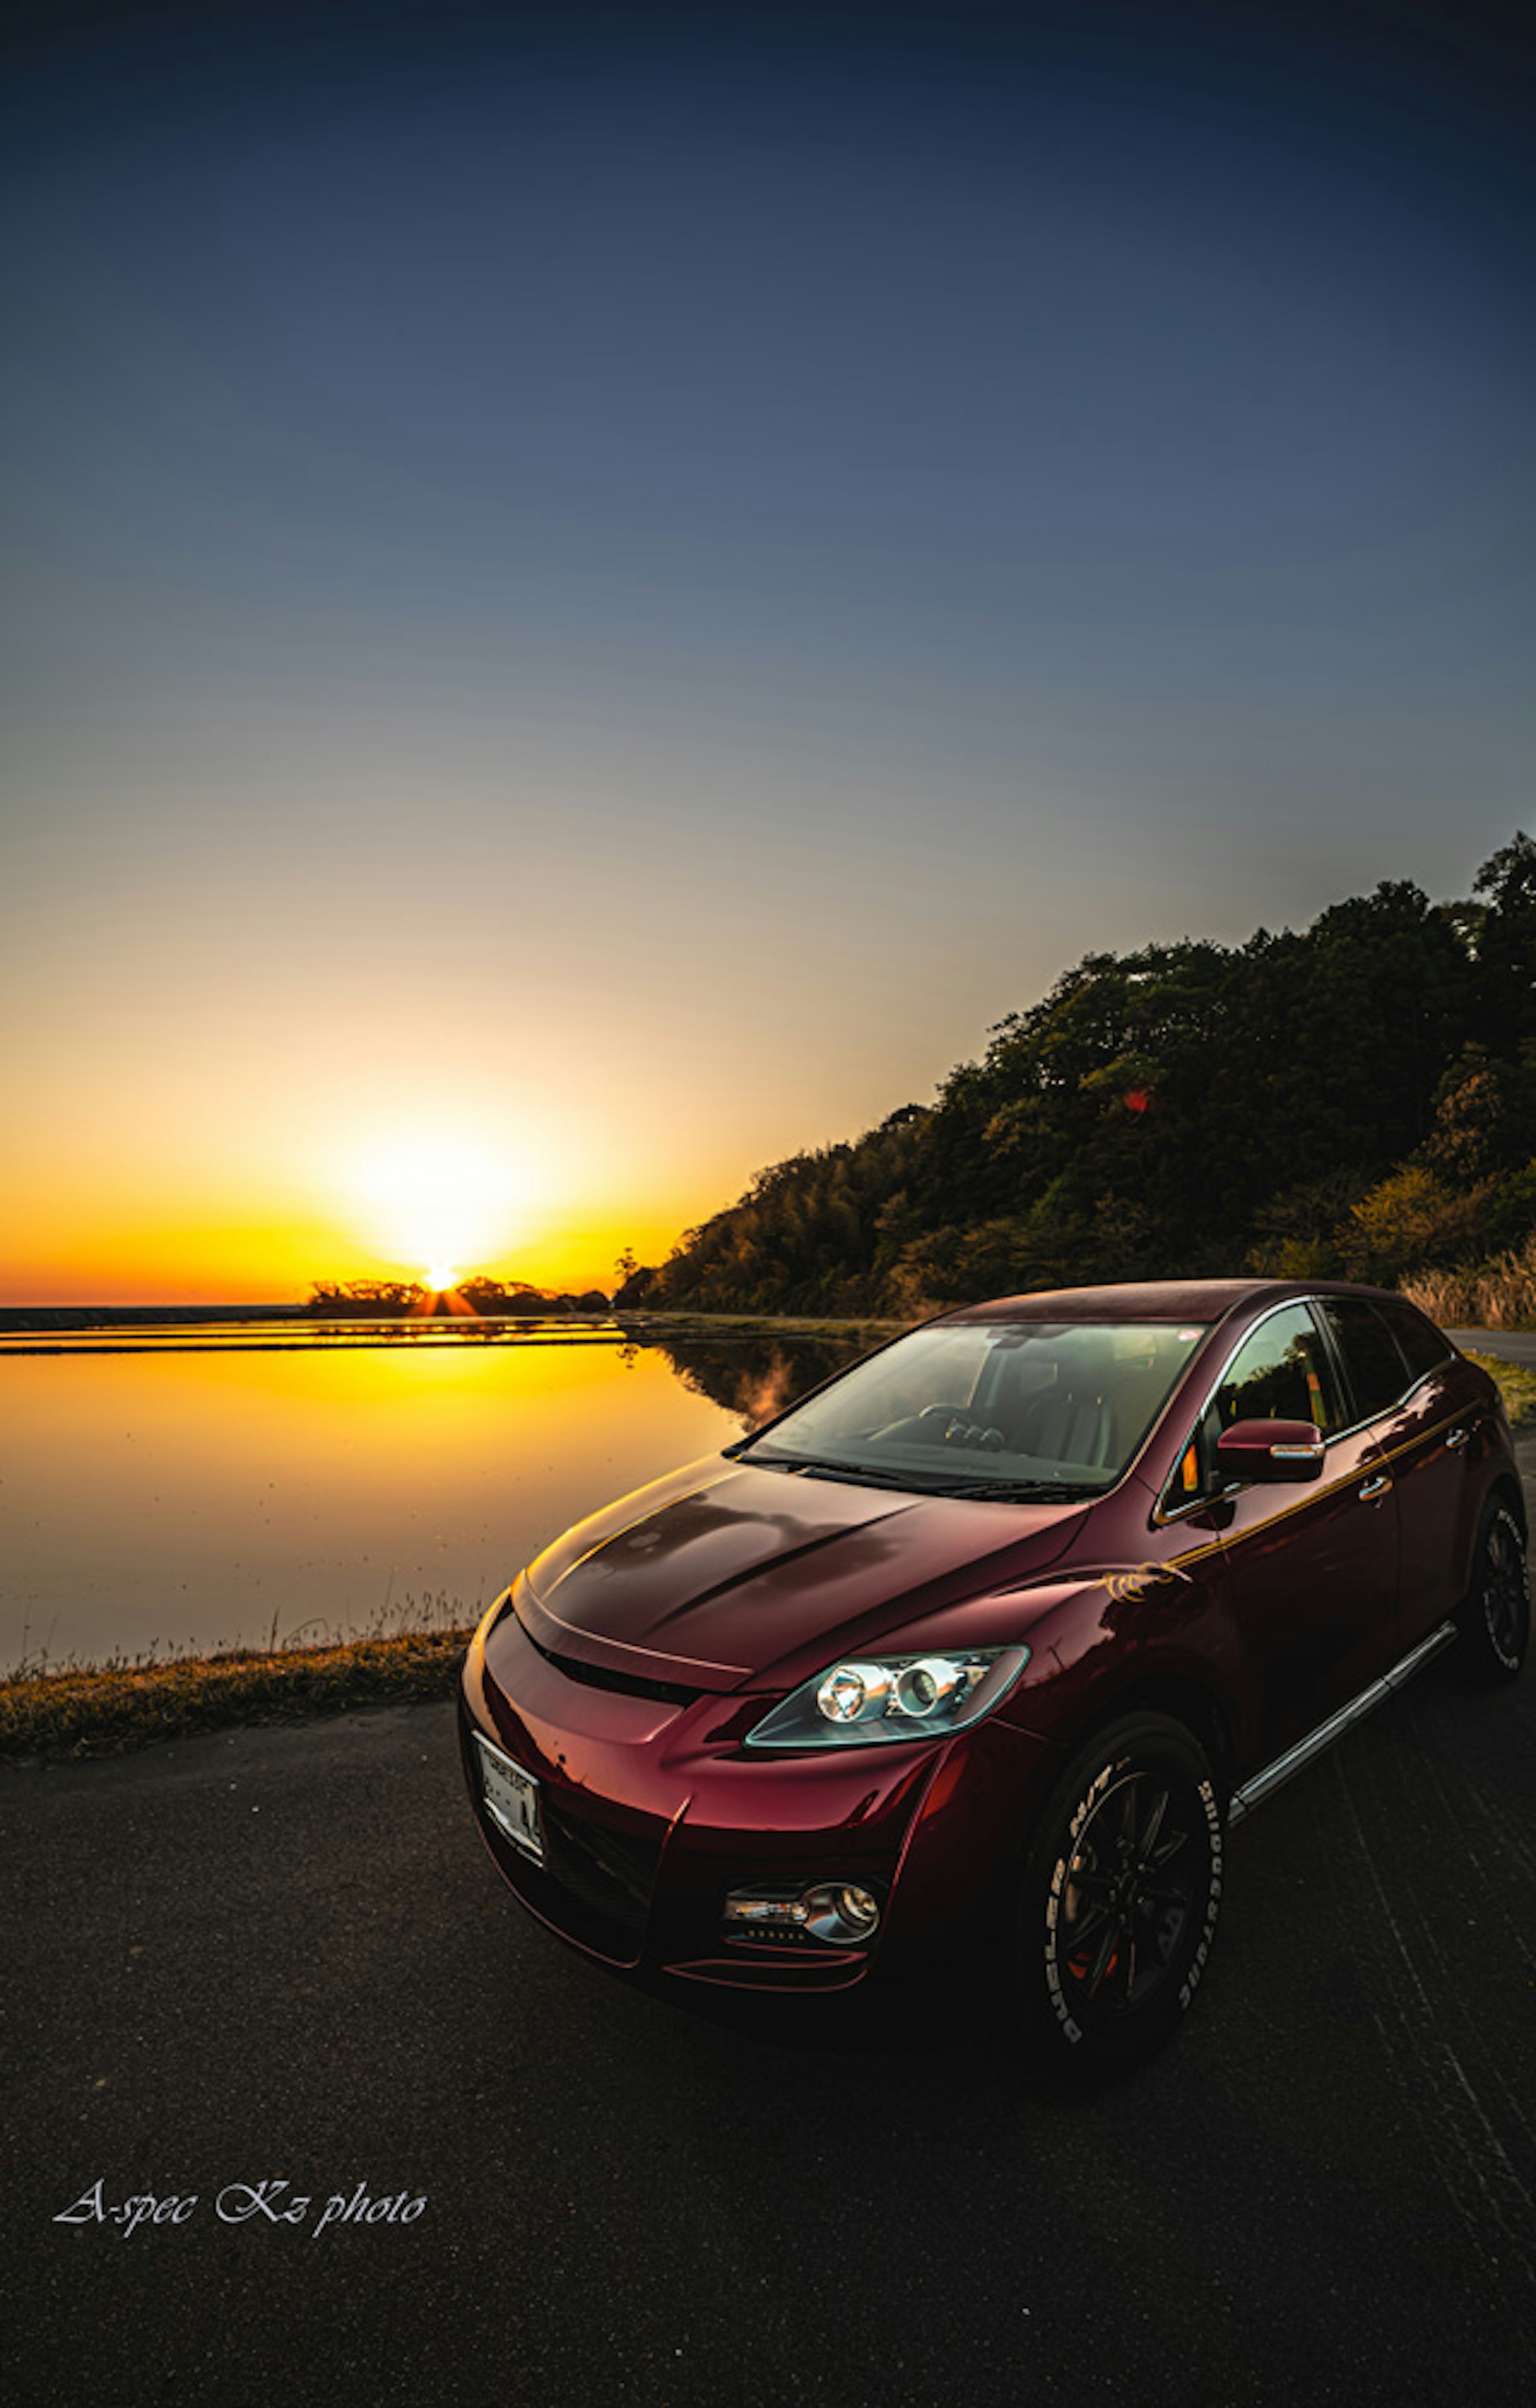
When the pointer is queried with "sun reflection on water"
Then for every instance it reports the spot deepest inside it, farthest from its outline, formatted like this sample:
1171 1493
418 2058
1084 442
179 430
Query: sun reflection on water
207 1495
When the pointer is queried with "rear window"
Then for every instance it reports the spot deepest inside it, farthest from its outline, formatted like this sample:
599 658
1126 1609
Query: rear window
1423 1346
1377 1370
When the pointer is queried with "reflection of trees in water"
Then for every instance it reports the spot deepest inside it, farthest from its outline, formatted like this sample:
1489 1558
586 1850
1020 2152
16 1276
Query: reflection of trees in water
755 1376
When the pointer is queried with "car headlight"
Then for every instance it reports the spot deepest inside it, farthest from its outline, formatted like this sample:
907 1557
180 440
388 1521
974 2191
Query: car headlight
863 1700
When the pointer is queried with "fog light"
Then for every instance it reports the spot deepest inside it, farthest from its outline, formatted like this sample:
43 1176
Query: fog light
837 1911
778 1911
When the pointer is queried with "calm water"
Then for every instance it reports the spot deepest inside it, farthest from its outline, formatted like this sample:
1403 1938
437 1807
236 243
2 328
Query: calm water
194 1496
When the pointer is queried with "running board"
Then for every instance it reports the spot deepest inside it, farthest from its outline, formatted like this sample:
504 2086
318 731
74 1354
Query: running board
1296 1759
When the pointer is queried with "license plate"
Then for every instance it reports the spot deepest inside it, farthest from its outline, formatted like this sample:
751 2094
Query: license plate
512 1798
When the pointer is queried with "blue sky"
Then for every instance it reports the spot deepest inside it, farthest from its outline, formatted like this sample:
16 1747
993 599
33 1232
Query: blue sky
651 573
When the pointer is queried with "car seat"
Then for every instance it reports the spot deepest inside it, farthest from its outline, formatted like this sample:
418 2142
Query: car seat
1067 1428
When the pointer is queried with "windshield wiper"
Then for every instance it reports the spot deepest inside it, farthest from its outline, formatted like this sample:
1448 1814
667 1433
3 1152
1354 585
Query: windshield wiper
917 1483
1024 1491
816 1467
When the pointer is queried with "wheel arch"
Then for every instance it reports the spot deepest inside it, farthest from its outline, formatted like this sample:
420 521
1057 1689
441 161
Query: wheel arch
1505 1489
1185 1700
1162 1691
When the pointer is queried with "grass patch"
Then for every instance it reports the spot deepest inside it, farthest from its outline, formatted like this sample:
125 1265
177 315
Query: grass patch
96 1711
1517 1385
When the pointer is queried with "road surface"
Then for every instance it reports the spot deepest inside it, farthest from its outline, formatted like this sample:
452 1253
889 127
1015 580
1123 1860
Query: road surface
279 1956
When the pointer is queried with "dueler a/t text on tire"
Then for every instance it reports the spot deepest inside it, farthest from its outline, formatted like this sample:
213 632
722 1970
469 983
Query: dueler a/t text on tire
1121 1888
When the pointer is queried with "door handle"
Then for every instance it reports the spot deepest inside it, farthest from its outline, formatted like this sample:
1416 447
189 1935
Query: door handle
1376 1487
1459 1438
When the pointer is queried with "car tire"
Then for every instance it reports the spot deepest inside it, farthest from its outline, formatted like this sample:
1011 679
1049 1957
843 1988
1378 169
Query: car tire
1120 1892
1493 1620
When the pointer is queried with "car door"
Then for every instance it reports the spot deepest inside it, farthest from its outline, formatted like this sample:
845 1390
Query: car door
1309 1570
1423 1409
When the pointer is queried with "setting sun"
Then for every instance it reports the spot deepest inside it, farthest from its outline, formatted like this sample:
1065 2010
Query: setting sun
440 1278
438 1196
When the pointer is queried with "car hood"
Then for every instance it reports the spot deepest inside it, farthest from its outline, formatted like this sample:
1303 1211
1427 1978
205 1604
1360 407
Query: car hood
724 1574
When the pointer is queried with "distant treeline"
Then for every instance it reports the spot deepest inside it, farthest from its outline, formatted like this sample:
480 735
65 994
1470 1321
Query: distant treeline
391 1299
1356 1100
75 1317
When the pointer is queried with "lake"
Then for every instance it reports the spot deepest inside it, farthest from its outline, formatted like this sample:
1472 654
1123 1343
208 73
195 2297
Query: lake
203 1489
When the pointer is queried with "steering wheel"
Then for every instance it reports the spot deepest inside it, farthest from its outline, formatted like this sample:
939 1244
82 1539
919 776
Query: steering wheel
958 1431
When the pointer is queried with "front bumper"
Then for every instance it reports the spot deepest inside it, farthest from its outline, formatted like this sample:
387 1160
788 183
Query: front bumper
652 1812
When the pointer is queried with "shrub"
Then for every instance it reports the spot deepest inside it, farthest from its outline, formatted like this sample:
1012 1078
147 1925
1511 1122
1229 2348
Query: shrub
1413 1221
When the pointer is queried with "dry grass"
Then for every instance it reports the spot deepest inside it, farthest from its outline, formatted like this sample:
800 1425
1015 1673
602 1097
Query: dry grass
1499 1295
94 1711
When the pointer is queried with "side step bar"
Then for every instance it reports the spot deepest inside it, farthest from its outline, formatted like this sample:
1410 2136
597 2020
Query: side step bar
1296 1759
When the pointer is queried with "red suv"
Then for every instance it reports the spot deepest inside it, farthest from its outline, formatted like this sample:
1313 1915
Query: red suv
994 1636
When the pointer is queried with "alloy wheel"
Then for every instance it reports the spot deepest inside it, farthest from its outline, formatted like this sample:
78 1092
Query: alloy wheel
1129 1893
1504 1602
1120 1892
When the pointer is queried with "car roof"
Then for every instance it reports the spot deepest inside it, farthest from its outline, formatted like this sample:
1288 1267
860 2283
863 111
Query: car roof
1203 1300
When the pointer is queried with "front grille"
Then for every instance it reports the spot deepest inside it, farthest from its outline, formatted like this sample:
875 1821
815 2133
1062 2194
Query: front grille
596 1676
610 1871
594 1884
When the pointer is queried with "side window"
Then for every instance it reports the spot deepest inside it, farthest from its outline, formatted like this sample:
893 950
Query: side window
1423 1345
1280 1373
1372 1361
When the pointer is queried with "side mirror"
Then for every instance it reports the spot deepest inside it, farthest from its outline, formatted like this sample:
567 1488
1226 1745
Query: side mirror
1270 1451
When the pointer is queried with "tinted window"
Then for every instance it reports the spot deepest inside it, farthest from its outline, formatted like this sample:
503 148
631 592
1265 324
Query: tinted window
1281 1372
1421 1343
1377 1372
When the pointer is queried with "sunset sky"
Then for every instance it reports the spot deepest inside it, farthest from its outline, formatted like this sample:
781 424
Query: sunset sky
592 596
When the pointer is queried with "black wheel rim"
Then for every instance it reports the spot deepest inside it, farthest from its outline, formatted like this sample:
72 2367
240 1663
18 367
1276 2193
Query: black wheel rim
1129 1894
1503 1589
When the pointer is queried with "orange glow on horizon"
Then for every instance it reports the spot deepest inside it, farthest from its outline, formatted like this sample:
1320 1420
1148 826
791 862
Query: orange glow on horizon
187 1220
182 1261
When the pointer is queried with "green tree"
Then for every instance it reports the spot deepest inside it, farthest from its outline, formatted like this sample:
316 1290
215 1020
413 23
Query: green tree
1183 1108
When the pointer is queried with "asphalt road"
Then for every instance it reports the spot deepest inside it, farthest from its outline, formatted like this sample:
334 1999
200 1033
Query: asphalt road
1514 1345
280 1956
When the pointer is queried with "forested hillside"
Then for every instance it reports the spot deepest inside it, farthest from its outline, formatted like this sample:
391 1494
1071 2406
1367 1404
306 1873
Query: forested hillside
1358 1099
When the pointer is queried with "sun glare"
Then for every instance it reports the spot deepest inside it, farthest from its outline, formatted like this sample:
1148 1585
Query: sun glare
441 1277
440 1197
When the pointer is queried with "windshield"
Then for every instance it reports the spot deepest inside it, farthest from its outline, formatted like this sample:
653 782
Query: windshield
1007 1409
